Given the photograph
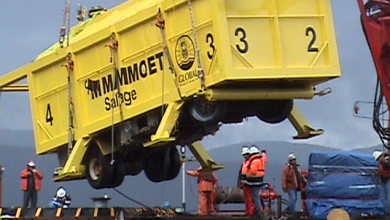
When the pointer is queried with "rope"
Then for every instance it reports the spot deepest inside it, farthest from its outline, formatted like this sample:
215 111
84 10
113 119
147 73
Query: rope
131 199
113 59
160 23
200 68
70 67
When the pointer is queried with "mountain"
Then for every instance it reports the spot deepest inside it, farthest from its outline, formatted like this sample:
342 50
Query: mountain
14 159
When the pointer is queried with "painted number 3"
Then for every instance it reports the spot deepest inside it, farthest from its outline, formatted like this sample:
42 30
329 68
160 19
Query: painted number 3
210 41
243 46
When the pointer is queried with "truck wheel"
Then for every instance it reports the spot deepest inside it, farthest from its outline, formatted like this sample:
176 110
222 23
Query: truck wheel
275 111
174 164
133 164
206 111
99 172
153 168
119 170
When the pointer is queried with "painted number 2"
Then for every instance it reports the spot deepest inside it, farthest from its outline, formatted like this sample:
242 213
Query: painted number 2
312 32
49 117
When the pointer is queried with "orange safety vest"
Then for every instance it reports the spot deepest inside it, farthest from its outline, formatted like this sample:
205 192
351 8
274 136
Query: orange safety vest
244 170
255 169
264 159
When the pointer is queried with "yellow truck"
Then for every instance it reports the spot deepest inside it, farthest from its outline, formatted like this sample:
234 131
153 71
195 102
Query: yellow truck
130 84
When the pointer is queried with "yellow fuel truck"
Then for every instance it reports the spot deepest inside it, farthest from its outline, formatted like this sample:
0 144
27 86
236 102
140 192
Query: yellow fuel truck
129 84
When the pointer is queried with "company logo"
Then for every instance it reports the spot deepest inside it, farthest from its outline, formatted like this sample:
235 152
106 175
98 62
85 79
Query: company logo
185 52
125 76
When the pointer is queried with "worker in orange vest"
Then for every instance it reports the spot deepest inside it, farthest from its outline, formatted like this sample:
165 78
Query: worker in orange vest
255 177
31 184
243 184
293 181
207 181
264 159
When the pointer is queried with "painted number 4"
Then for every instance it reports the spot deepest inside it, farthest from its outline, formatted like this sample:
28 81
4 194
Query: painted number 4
49 117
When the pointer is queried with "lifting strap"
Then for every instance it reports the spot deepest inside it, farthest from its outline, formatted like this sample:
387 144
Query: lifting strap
117 85
70 68
160 23
197 51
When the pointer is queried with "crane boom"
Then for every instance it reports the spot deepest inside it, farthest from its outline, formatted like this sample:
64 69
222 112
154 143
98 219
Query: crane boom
375 19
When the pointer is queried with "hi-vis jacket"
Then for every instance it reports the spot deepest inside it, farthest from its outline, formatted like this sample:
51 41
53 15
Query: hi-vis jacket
243 172
207 180
290 180
38 176
264 158
255 169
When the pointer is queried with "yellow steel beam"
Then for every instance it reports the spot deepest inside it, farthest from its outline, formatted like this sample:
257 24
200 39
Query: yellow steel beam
163 133
14 76
203 156
258 94
302 126
73 167
15 88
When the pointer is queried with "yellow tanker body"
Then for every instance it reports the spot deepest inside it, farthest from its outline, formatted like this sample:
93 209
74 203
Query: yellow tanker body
135 81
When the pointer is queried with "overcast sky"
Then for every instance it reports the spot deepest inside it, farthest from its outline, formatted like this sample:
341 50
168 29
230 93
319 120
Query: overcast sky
29 27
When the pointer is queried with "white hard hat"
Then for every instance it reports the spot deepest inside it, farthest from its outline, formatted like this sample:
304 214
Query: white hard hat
31 163
291 157
245 150
376 154
61 192
254 150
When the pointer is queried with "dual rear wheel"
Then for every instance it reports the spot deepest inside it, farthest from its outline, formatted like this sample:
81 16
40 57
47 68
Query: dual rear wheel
269 111
163 165
104 171
107 172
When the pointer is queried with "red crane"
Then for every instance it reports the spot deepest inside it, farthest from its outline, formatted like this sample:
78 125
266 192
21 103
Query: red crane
375 19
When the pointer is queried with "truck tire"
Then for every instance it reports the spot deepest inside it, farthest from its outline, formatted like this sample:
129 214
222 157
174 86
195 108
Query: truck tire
206 111
99 172
154 168
119 170
174 164
275 111
133 164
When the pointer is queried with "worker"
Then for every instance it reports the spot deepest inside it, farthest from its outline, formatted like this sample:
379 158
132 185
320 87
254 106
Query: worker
255 178
61 199
207 181
293 181
384 174
243 184
264 159
31 184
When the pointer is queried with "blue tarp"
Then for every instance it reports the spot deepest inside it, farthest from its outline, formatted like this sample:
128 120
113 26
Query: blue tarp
319 209
343 179
342 158
342 186
342 175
